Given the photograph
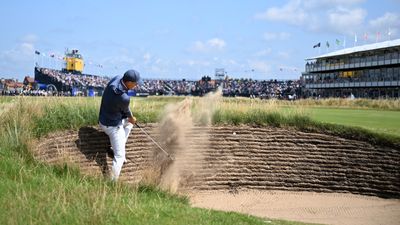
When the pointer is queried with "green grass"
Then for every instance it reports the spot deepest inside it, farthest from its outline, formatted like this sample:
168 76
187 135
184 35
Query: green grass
39 194
381 121
34 193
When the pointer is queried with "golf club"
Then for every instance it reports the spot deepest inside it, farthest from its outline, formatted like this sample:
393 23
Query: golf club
166 153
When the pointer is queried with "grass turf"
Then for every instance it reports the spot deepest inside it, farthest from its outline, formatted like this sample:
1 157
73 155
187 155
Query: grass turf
34 193
381 121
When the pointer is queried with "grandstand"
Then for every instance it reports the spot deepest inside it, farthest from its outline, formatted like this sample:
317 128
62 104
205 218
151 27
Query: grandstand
70 83
368 71
70 80
83 84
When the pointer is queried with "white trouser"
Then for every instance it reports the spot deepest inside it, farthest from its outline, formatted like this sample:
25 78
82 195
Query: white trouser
118 136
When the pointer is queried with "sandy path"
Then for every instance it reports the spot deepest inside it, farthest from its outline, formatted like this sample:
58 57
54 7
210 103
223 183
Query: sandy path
325 208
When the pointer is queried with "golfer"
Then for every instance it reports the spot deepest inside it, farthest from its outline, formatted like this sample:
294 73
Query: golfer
115 117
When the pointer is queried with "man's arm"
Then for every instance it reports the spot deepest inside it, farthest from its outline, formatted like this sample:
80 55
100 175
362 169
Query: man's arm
131 119
128 114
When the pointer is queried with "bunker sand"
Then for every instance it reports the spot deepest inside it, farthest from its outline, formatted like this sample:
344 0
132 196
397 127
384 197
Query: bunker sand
324 208
265 171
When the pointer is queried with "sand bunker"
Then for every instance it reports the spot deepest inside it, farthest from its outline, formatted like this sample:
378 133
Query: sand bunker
264 171
251 166
325 208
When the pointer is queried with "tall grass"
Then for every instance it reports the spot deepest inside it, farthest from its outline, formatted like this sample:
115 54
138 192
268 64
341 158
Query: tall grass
61 195
34 193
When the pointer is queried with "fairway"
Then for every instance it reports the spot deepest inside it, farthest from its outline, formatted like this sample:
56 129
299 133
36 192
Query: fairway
376 120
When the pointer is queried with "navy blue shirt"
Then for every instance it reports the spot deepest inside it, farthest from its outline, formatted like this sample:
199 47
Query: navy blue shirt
114 103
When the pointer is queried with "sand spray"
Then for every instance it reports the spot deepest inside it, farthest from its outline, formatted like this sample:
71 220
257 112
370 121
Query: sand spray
179 131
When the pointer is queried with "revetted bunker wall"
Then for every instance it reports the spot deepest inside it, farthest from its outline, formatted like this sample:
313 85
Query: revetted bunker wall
253 158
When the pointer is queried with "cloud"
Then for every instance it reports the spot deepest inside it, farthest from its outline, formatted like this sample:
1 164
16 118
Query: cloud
384 23
292 13
146 57
284 55
23 50
263 52
270 36
18 60
214 44
191 62
338 17
343 20
324 4
335 16
260 66
30 38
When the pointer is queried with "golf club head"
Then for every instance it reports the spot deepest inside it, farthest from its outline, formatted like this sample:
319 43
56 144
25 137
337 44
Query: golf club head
171 157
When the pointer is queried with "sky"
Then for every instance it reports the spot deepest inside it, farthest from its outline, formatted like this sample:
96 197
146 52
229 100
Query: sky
177 39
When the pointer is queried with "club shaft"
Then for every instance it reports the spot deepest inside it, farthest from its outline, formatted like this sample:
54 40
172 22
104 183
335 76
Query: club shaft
153 140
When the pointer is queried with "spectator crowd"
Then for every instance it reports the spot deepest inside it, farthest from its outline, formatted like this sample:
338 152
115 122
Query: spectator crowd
75 80
230 87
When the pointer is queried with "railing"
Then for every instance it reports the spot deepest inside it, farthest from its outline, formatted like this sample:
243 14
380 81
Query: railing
337 66
355 84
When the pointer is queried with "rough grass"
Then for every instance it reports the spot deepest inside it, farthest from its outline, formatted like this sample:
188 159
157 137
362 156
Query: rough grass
39 194
34 193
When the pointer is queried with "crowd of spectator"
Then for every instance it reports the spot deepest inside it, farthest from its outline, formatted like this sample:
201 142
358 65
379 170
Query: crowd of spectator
261 88
75 80
33 92
230 87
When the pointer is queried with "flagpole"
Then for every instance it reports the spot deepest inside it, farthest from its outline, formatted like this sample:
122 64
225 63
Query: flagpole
344 42
355 40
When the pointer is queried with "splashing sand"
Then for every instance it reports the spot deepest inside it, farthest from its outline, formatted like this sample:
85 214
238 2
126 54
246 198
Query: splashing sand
179 119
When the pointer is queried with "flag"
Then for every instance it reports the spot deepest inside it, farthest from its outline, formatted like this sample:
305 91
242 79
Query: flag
317 45
37 52
378 36
52 55
327 44
337 41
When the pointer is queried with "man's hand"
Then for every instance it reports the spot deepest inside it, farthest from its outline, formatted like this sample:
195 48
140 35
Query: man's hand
132 120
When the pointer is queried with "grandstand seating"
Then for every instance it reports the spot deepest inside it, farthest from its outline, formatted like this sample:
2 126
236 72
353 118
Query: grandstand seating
369 71
69 82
